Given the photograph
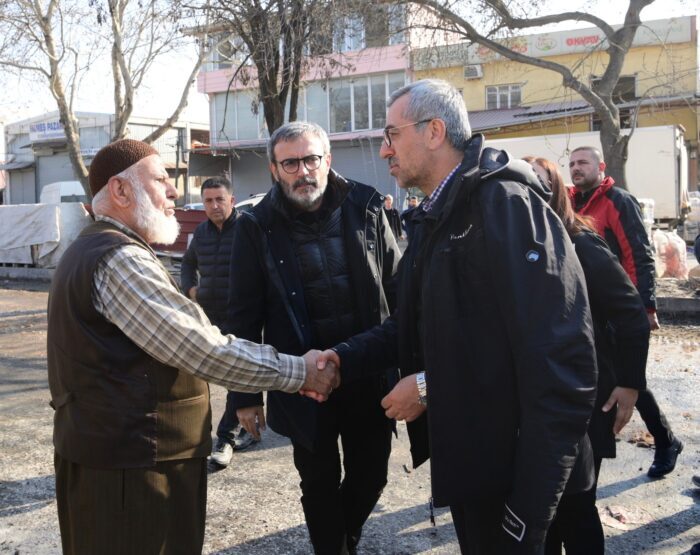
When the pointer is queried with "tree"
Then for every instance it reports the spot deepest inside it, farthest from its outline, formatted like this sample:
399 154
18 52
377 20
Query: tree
274 43
498 18
58 42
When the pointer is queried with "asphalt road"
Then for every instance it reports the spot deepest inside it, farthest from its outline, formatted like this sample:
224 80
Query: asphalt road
253 505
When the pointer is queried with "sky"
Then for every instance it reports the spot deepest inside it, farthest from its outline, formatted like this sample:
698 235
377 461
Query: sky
22 98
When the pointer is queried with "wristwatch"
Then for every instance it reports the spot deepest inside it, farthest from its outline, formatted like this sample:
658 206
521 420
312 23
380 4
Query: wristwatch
422 389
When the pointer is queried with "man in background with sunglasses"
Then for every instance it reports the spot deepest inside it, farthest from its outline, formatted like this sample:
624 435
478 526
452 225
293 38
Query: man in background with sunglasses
311 265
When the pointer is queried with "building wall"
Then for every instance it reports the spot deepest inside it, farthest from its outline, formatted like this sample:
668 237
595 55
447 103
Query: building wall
166 145
21 188
660 70
548 127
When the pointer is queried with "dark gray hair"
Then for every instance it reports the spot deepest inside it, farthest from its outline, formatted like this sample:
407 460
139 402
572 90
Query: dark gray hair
215 183
434 98
294 130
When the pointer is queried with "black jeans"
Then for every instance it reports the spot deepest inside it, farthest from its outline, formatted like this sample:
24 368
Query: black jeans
336 509
228 421
577 524
654 419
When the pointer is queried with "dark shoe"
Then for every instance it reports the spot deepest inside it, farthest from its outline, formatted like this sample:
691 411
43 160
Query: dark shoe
695 550
241 438
696 482
222 453
665 459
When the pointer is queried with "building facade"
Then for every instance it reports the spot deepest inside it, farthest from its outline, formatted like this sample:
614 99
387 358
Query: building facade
344 91
505 99
659 82
37 154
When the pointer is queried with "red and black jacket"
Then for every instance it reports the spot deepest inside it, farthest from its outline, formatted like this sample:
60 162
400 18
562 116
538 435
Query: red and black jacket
618 219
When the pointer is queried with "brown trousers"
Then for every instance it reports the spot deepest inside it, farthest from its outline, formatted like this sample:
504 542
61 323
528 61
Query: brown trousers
136 511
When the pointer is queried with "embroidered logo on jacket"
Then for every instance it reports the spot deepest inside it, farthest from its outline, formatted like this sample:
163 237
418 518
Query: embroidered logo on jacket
513 524
456 237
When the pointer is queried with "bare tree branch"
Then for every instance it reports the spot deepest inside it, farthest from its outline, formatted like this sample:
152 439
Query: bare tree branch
598 94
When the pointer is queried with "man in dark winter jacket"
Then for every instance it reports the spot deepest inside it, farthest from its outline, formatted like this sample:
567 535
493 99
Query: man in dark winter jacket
618 220
492 331
312 264
204 279
392 214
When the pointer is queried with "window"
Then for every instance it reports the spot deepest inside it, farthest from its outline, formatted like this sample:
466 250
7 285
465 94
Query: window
624 91
337 105
397 23
360 103
229 52
625 119
341 106
378 92
316 104
247 115
503 96
349 35
377 25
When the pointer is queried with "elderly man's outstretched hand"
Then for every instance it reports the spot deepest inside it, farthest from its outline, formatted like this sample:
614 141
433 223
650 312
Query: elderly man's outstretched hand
322 374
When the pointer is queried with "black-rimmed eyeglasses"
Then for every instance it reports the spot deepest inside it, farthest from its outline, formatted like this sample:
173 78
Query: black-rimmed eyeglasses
389 131
311 162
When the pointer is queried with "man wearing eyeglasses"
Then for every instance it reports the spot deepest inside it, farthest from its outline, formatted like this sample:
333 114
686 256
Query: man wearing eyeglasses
492 330
312 264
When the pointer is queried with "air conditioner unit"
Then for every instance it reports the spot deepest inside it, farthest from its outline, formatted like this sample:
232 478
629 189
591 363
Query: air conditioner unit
473 71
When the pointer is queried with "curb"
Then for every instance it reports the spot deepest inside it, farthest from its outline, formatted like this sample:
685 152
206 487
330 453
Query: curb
26 273
678 306
666 306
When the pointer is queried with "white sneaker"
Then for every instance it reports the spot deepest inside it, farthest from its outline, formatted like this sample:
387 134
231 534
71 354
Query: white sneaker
222 453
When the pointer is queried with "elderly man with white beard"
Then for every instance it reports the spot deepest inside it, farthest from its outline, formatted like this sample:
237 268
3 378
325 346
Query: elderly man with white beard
127 358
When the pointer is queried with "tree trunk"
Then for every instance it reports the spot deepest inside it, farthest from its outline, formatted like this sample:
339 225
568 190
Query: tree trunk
66 115
615 150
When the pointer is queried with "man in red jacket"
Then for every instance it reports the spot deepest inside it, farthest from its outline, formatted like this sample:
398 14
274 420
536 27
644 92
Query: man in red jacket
618 219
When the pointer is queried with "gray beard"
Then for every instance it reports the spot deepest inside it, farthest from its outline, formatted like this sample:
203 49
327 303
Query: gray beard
156 226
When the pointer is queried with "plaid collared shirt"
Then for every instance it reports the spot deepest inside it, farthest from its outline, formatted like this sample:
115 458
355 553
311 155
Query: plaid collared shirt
430 200
132 289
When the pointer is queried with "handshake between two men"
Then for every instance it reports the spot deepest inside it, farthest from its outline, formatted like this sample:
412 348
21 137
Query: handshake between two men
323 376
401 403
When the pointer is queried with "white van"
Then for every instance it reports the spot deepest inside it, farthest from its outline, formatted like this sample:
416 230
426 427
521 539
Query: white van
62 191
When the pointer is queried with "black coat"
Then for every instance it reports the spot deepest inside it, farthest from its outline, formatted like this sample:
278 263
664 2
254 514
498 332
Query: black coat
621 333
266 294
392 214
209 255
492 306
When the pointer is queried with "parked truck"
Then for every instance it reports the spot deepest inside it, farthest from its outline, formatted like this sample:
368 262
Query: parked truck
657 166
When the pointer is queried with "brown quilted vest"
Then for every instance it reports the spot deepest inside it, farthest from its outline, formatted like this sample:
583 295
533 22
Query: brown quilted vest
116 406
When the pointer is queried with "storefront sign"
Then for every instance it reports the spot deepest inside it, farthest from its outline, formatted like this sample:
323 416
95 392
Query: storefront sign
662 31
46 131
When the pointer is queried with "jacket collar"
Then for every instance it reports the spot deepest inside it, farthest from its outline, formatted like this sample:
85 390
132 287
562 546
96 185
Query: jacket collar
588 196
227 223
466 176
